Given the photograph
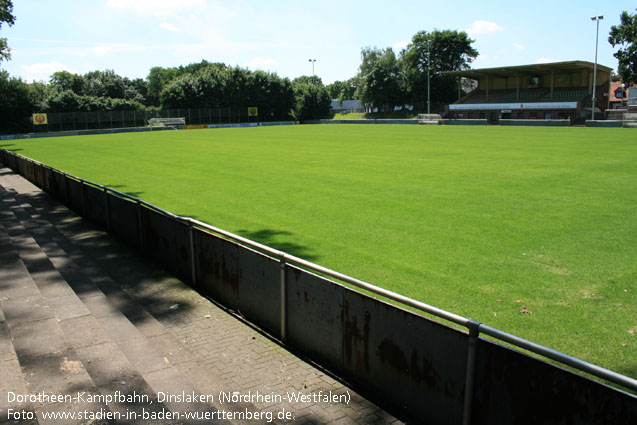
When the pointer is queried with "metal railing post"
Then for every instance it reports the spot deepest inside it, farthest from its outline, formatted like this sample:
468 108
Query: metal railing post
474 333
108 213
139 225
191 236
283 297
83 198
67 186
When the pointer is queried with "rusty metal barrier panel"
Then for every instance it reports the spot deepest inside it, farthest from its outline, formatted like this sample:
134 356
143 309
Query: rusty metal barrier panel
46 179
22 164
58 187
75 195
159 234
30 171
184 260
95 205
414 363
239 278
166 240
37 175
314 307
217 268
124 219
514 388
258 298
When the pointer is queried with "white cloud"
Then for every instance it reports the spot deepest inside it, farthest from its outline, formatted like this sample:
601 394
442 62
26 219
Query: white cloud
262 63
42 71
169 27
546 60
483 27
400 45
156 8
519 46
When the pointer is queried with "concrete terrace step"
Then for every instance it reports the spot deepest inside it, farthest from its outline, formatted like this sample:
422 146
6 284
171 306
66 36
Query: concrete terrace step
37 350
43 317
142 340
132 327
117 356
135 356
13 279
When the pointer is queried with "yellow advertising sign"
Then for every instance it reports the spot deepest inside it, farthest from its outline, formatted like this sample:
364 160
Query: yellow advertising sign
39 119
253 111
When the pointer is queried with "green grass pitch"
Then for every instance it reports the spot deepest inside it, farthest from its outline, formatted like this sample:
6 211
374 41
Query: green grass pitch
530 230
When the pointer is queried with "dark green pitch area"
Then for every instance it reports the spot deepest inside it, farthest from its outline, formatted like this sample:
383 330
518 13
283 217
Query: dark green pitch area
530 230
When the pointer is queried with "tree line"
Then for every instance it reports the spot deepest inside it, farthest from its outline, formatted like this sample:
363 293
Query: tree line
384 80
198 85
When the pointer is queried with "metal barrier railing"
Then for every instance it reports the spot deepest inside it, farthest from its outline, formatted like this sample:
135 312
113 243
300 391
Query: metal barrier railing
475 328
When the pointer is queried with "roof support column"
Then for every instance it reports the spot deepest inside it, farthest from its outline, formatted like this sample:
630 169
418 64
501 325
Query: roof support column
552 83
517 87
487 98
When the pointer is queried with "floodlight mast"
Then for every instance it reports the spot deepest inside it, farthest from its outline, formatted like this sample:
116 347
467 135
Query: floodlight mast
428 77
312 61
596 19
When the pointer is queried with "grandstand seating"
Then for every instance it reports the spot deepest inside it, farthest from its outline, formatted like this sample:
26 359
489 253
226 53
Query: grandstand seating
570 94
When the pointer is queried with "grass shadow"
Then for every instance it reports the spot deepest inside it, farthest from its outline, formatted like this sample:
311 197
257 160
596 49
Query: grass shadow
281 240
12 149
121 188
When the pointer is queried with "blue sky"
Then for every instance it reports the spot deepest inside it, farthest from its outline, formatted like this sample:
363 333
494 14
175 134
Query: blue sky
131 36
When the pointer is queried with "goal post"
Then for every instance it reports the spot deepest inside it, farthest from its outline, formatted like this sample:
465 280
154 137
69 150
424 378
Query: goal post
167 122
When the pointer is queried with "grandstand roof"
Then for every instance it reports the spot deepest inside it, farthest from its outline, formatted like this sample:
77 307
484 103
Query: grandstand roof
537 68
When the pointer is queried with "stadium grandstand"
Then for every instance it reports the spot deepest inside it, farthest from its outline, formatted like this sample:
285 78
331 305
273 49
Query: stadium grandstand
549 91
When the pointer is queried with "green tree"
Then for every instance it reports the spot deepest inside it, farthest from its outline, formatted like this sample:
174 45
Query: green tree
141 87
65 101
204 89
64 80
273 95
343 90
39 92
438 51
158 78
104 84
312 100
6 16
16 106
381 82
625 36
219 86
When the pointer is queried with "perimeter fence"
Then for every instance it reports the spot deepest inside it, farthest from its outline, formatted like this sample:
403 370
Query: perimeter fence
429 370
74 121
